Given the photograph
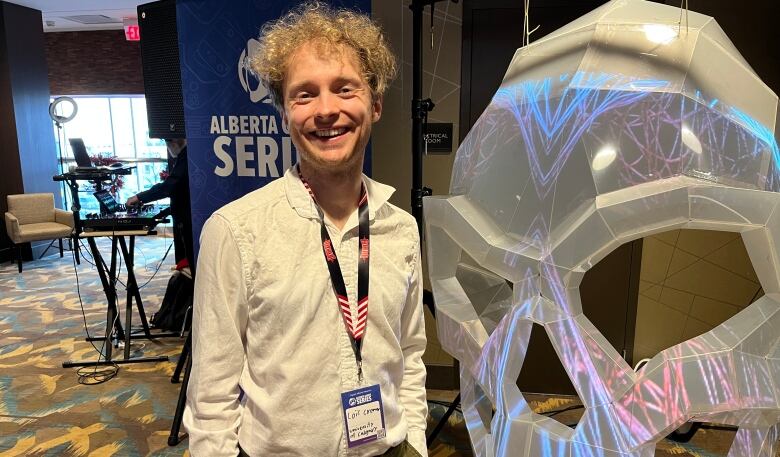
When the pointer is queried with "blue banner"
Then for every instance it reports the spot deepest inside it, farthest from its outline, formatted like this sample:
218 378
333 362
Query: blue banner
236 139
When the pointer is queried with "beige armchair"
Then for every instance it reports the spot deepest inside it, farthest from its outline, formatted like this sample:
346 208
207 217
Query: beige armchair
33 217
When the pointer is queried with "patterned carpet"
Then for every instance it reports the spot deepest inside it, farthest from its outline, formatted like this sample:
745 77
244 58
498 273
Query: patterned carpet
45 411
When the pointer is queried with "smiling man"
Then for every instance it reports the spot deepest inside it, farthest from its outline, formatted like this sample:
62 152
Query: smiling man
308 329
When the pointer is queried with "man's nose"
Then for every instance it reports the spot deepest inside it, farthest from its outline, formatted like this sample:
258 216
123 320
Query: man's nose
327 105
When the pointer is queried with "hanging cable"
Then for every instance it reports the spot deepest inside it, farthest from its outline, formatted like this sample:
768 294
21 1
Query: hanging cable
87 375
683 7
526 40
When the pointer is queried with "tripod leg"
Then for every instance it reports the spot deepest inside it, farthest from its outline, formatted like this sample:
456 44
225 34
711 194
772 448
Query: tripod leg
109 290
183 358
132 283
173 438
442 421
47 249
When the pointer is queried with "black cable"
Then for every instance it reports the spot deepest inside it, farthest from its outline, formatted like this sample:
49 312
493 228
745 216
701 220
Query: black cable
546 413
445 404
95 376
159 265
86 251
720 427
562 410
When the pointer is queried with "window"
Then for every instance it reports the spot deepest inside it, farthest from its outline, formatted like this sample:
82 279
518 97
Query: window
113 126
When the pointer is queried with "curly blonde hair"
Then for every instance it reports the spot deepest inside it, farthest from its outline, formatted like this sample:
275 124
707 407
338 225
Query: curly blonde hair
320 23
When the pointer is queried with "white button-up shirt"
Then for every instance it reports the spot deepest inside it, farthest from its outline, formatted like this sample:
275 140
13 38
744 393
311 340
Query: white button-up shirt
266 323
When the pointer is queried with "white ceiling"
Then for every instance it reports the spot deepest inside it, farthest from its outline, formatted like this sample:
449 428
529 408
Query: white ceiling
54 11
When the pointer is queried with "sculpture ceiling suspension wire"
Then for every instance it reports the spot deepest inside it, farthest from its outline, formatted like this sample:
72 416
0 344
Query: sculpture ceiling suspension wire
614 127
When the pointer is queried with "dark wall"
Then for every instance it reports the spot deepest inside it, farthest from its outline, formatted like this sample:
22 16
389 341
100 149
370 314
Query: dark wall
11 175
27 144
93 63
752 28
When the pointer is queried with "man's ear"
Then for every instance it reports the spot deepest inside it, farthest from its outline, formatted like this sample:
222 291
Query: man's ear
376 108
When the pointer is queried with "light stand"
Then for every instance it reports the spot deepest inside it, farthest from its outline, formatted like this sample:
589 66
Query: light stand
60 119
420 110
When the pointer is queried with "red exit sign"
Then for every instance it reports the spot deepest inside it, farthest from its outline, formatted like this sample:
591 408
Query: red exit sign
132 32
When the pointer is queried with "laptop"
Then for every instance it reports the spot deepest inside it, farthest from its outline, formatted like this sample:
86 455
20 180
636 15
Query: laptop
80 153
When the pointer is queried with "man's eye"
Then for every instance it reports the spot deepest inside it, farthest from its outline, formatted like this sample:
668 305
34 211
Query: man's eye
347 90
302 96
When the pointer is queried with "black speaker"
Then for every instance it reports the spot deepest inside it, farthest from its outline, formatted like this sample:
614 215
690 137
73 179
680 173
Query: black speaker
162 76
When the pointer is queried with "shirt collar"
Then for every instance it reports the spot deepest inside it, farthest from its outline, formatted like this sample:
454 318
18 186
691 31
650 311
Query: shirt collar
300 200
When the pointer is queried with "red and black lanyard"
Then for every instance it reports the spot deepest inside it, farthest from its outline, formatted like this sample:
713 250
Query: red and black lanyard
356 327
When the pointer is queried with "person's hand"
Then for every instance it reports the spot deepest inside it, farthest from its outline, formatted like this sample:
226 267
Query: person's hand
133 201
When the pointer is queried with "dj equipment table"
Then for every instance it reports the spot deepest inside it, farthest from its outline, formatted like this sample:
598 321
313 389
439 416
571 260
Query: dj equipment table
108 278
108 274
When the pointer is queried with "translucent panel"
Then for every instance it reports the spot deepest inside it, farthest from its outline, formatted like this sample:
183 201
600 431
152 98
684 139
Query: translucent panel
443 253
635 141
589 237
511 435
657 205
720 148
561 286
503 355
489 294
651 415
655 61
709 384
545 312
471 228
512 260
526 289
607 363
503 177
733 205
719 339
459 329
647 12
755 442
549 438
598 426
477 412
473 157
574 191
718 75
571 347
762 247
553 62
754 384
765 336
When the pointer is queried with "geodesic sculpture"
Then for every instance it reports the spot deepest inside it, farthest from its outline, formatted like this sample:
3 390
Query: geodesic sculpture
622 124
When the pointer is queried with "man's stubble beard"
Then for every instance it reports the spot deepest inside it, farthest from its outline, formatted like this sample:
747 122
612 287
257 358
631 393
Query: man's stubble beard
347 169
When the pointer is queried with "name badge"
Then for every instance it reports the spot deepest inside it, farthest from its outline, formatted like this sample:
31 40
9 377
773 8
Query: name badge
364 416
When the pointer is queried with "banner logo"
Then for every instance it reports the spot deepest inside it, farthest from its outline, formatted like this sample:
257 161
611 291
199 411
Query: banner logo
256 90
